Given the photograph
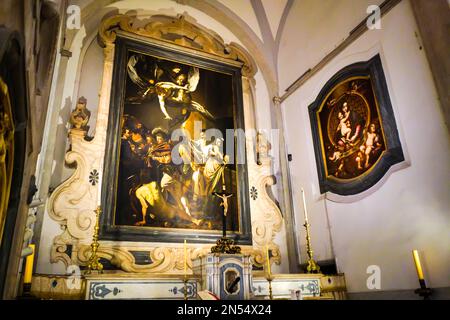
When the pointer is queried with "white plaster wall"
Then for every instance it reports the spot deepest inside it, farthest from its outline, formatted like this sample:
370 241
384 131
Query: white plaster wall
83 78
410 209
90 79
312 30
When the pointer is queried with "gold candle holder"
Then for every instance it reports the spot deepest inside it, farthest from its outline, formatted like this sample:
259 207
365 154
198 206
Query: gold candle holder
94 261
28 275
269 278
312 267
423 291
185 281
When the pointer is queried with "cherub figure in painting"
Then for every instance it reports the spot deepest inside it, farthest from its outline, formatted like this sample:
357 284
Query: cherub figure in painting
372 143
344 123
360 157
336 155
340 169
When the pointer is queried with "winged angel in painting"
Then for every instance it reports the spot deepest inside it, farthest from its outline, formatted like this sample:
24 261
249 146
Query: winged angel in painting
176 92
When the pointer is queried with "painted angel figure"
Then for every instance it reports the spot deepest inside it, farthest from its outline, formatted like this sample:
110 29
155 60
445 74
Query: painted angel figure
344 122
177 93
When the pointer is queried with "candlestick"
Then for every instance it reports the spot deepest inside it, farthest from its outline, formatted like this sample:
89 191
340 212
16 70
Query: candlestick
268 261
270 288
223 178
423 291
269 273
185 270
99 194
94 261
185 258
28 273
304 205
418 265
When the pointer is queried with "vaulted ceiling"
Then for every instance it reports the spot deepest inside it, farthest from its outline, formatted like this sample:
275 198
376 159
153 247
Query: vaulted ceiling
264 17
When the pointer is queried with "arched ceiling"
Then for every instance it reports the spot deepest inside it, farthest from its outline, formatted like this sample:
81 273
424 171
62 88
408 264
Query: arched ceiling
270 18
274 12
256 23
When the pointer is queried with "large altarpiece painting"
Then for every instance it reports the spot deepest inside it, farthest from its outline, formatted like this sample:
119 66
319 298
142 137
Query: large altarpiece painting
169 149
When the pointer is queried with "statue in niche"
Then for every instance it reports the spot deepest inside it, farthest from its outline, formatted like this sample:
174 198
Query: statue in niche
80 115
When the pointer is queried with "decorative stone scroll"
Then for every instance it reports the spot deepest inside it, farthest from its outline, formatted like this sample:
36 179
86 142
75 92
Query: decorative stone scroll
73 202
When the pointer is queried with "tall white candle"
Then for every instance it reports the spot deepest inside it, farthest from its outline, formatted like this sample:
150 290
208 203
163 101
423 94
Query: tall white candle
99 185
304 205
418 265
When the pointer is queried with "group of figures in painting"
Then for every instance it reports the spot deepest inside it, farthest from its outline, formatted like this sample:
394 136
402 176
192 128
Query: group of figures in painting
165 183
355 140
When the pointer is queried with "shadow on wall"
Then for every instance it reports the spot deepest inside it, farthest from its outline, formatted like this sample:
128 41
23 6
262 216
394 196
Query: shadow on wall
61 140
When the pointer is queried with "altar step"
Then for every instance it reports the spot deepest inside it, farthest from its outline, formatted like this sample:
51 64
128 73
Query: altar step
161 286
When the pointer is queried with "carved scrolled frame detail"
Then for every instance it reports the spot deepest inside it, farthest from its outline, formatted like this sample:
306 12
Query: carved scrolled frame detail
73 202
267 219
187 34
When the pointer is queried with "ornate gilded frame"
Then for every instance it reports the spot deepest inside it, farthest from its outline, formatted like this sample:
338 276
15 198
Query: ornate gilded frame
13 133
6 152
372 71
73 202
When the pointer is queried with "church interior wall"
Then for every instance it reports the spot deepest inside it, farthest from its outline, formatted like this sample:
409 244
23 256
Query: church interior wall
83 78
323 26
406 210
